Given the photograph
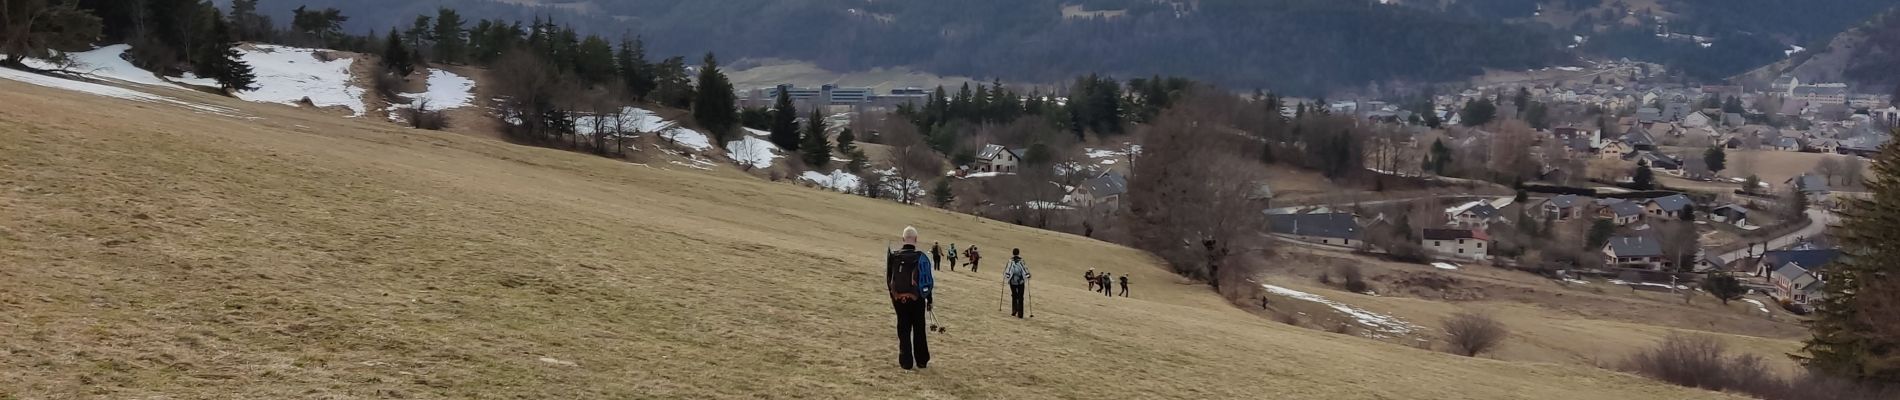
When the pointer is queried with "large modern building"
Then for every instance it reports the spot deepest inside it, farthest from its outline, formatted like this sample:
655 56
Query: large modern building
826 94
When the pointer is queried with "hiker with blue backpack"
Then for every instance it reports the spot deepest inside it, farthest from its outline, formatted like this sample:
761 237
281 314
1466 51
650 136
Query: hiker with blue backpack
907 276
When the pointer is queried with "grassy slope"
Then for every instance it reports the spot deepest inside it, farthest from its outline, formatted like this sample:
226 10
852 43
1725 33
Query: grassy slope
146 251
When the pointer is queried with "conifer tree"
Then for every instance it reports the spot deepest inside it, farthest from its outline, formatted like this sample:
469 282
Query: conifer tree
219 58
847 141
816 149
1857 325
396 57
451 41
635 71
942 194
1643 178
714 108
784 126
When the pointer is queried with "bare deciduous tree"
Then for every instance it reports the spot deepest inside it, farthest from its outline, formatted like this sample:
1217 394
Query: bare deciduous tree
1193 198
913 160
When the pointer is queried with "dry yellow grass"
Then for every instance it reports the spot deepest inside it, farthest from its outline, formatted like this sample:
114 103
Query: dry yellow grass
150 252
1581 324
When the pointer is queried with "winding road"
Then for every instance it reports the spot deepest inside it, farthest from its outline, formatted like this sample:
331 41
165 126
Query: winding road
1818 221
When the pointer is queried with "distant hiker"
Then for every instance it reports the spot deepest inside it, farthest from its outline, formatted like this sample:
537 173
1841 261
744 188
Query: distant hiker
1090 276
907 276
975 257
953 256
1107 289
936 257
1017 275
1124 285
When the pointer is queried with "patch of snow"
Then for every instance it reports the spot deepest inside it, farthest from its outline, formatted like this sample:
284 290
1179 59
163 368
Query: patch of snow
1758 304
555 361
287 75
838 180
111 91
1793 49
1707 44
1445 266
752 151
698 167
1377 321
688 138
1570 69
1576 281
193 79
982 175
1650 284
105 62
1047 205
446 90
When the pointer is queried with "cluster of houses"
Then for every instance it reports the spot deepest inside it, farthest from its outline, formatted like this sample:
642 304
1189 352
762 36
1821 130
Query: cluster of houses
1103 190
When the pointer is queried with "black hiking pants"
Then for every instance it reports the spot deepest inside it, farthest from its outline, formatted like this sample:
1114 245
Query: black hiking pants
1016 301
936 260
913 345
1124 290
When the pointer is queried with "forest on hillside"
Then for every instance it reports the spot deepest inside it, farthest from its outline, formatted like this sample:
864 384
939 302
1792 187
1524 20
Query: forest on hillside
1297 46
1291 46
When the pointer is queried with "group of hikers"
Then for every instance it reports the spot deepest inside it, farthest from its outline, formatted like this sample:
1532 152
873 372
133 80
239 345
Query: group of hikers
1101 283
907 274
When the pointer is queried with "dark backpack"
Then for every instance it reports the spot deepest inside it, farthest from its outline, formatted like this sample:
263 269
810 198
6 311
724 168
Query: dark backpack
901 271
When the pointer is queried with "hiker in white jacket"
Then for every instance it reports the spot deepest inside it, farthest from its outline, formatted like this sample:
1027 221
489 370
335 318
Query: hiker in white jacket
1016 274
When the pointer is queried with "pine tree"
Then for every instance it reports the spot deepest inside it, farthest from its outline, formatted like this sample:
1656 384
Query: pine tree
942 194
451 41
1643 178
1715 158
221 60
784 125
420 32
1724 287
1599 235
635 71
847 141
714 108
816 149
1441 157
396 56
1478 112
1857 325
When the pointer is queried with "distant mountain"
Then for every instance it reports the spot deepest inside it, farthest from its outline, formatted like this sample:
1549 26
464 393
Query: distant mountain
1867 58
1299 46
1705 39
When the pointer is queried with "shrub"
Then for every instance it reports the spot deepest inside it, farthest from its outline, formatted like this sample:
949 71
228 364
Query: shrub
1703 362
1287 318
421 117
1470 334
1354 280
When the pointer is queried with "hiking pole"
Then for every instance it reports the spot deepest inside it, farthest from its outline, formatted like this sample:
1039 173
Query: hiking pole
1029 300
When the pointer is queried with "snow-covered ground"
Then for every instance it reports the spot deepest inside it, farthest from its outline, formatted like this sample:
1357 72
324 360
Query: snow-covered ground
1650 284
1378 322
446 90
1444 266
1793 49
105 62
110 91
838 180
688 138
287 75
1758 304
1047 205
752 151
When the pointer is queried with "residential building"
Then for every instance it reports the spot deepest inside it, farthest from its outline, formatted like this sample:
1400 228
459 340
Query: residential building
1613 150
1634 252
1785 144
1668 207
1564 207
1711 262
1729 213
1103 192
1889 116
1733 120
1476 214
995 158
1639 139
1697 120
1339 229
1812 185
1468 244
1798 275
1621 212
1826 93
1785 84
1822 146
1812 259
